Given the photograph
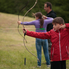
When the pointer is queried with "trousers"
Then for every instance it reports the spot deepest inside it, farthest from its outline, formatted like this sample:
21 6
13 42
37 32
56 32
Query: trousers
58 65
39 44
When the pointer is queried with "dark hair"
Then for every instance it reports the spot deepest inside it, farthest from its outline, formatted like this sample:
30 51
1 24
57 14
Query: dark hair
58 20
39 15
49 5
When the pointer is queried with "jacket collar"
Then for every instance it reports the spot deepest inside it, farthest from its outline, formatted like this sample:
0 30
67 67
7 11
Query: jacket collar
58 30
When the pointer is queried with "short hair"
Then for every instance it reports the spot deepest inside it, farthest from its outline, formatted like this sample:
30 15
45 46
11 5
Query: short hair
58 20
49 5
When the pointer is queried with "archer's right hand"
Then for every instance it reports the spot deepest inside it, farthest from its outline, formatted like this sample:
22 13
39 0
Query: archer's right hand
44 17
24 31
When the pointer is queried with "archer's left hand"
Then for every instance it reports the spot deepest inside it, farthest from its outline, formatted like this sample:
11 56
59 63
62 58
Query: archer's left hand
19 22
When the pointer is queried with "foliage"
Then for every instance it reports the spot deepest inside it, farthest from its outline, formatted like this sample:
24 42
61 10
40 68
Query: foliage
14 6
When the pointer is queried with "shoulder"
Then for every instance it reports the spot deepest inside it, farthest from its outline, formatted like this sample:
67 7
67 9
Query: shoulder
35 21
52 30
52 14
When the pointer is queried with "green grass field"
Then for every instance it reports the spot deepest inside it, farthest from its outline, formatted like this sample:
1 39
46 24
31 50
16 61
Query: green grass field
12 49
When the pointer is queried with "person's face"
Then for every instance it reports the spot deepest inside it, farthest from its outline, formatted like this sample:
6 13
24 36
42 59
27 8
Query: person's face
45 7
56 26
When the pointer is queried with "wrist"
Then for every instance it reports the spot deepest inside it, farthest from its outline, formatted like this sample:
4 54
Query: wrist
21 23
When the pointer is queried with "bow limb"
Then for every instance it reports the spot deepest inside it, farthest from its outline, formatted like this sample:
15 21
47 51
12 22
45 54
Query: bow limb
24 27
22 9
28 11
19 19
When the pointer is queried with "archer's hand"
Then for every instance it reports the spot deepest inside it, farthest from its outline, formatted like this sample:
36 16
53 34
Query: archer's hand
24 31
63 26
19 22
44 17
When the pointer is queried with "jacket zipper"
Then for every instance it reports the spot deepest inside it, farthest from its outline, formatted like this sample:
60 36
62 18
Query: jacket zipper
60 47
67 51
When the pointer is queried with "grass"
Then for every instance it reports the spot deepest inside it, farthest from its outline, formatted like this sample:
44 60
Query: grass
12 49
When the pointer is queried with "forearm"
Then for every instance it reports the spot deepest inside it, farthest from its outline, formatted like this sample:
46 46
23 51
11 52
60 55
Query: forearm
67 25
48 20
25 23
40 35
28 23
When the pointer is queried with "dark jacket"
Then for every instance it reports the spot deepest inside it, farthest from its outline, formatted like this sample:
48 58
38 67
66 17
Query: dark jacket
53 15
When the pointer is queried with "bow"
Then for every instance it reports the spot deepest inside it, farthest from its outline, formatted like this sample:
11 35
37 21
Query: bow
19 19
24 28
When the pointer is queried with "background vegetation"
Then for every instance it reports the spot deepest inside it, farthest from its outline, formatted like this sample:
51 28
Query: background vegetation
61 7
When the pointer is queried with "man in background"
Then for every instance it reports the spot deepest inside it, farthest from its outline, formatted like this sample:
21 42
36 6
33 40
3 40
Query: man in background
50 13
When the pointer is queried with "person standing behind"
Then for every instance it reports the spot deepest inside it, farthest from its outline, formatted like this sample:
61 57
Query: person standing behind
40 25
50 13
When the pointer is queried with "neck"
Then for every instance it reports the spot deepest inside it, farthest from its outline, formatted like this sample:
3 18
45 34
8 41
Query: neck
49 10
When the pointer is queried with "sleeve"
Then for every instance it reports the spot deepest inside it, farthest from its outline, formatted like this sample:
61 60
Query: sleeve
28 23
41 35
48 20
67 26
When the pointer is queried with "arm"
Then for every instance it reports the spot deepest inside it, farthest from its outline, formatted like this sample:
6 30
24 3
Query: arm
44 17
40 35
28 23
67 26
48 20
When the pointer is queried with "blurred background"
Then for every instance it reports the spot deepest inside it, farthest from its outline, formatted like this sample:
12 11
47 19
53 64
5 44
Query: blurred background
15 6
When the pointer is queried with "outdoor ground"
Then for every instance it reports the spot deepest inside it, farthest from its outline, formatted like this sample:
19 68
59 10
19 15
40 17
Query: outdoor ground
12 49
